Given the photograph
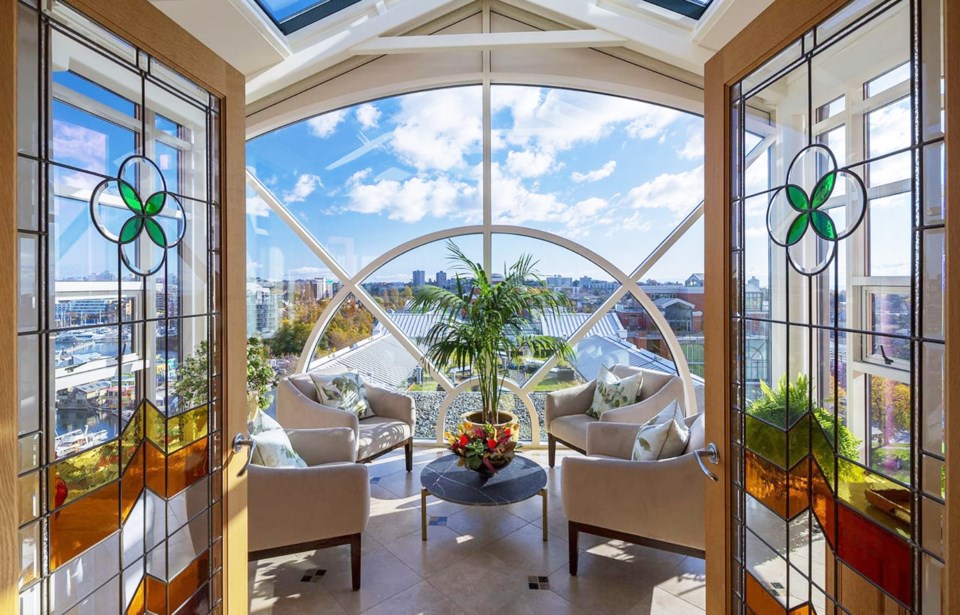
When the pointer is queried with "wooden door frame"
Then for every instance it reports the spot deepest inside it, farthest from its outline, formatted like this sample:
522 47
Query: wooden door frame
780 24
145 26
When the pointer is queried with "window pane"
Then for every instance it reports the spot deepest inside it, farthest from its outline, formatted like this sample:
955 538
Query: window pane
614 174
891 235
364 179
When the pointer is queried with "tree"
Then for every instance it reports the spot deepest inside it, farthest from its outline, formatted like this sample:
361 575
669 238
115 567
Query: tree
889 407
290 338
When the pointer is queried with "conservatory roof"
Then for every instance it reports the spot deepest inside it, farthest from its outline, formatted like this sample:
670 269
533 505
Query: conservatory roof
279 43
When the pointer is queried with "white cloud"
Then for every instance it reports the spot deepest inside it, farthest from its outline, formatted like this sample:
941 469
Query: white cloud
257 207
516 204
693 148
305 186
368 115
595 175
306 272
529 163
85 146
676 192
325 125
754 232
413 199
557 119
652 124
591 206
436 130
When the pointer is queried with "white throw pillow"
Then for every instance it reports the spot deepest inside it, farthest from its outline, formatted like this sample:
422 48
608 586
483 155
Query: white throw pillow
343 391
272 445
663 437
613 392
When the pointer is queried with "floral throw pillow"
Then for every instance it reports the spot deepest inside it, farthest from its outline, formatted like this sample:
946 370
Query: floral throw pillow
272 445
662 437
344 392
613 392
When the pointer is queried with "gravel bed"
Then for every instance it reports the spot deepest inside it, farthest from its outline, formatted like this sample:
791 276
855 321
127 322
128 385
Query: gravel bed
428 411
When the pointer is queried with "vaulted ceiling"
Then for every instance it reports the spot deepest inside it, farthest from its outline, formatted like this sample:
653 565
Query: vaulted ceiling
280 43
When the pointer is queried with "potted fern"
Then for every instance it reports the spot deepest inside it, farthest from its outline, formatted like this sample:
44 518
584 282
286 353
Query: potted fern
483 325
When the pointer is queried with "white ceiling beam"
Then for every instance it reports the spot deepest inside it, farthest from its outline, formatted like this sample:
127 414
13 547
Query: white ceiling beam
488 41
724 19
652 37
318 49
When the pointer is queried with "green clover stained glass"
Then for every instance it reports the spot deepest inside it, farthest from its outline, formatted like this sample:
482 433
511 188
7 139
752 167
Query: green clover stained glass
124 218
832 210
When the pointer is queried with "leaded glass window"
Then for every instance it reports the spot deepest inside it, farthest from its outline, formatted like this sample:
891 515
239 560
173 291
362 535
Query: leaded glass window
838 373
119 444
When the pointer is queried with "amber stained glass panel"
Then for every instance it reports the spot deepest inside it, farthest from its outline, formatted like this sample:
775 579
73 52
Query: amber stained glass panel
82 524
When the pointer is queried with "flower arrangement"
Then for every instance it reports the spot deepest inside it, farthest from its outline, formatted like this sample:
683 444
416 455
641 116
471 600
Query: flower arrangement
484 449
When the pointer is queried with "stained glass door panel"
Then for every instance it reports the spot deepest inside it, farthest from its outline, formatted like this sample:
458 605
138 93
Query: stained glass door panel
837 318
118 312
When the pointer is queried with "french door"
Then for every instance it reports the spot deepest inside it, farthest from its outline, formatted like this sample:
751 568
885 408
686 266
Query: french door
122 147
834 188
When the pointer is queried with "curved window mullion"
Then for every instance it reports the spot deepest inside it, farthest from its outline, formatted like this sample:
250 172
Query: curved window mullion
304 363
577 335
381 315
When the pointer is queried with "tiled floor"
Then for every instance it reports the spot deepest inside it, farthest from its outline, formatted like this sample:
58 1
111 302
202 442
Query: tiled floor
477 560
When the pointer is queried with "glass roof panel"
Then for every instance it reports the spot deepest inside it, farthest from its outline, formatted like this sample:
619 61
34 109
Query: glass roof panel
291 15
690 8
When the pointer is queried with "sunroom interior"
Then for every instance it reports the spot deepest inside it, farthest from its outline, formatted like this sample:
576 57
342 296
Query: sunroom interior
797 408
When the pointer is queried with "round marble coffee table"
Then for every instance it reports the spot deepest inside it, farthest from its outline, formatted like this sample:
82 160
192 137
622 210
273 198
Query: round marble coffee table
445 480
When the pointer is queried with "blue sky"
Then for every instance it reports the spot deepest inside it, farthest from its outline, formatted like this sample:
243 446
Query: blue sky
613 174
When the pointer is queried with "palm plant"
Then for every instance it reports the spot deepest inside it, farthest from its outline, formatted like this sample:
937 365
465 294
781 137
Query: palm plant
481 323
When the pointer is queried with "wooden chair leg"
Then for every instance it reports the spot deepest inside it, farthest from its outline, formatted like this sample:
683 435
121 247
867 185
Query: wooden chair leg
574 534
408 451
551 450
355 561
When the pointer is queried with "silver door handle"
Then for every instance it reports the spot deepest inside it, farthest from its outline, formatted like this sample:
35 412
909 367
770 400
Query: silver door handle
238 443
712 455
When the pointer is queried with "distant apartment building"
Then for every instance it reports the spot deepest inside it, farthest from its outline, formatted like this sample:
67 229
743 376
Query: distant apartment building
441 280
263 310
419 278
557 281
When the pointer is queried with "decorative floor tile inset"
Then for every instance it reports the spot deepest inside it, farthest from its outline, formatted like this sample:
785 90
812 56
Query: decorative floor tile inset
534 582
435 521
313 576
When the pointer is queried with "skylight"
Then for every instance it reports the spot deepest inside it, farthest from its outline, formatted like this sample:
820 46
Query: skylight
291 15
690 8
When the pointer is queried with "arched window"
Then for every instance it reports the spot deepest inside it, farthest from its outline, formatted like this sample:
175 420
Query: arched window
349 212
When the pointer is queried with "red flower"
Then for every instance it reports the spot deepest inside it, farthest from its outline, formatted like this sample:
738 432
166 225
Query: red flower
464 439
507 432
492 443
61 492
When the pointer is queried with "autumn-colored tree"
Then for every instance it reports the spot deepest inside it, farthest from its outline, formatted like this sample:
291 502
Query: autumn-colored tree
889 407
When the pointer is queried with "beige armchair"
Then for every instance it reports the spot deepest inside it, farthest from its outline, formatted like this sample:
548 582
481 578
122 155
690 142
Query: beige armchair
291 510
298 407
659 504
566 410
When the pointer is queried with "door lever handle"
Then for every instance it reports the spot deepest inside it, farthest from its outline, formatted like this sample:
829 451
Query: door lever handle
238 443
711 454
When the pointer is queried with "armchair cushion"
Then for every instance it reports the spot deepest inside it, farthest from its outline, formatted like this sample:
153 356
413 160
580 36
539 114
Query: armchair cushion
379 434
572 429
662 437
272 447
344 392
613 392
